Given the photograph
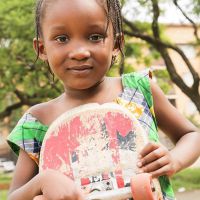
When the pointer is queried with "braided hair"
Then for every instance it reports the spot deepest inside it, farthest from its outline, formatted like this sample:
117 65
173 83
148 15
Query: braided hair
114 15
113 11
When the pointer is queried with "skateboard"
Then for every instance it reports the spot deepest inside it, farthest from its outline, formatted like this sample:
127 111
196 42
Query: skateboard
97 146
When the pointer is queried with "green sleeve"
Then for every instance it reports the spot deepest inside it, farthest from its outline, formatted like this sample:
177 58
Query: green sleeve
28 135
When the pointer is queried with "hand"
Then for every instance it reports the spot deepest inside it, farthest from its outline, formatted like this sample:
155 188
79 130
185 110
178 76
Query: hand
157 160
56 186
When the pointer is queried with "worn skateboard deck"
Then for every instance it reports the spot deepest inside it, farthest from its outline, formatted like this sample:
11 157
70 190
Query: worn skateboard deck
97 146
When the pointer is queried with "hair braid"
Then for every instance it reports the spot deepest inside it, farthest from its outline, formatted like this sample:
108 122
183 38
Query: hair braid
114 13
38 14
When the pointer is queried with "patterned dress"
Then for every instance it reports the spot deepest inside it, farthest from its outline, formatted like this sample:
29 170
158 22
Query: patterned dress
136 97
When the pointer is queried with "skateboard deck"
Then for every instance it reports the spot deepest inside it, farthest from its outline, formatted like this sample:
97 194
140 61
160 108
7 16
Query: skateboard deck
97 146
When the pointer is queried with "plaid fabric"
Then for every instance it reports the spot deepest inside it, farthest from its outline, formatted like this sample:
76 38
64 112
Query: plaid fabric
136 96
27 135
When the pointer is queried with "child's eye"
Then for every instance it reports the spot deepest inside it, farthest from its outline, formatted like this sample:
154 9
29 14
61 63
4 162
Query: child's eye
62 39
96 37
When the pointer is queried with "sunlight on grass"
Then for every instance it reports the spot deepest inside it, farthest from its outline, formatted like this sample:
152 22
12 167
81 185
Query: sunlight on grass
188 179
5 179
3 194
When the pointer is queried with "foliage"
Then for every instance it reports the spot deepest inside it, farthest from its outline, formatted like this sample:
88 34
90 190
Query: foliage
155 39
189 179
196 7
163 80
137 50
22 82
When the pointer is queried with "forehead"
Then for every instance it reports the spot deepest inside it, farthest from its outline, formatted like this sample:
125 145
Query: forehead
76 11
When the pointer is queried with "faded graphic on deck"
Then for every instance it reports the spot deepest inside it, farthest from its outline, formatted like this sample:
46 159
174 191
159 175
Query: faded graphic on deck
97 148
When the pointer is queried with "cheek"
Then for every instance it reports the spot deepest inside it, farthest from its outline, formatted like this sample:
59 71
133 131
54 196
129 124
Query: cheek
104 54
103 61
54 56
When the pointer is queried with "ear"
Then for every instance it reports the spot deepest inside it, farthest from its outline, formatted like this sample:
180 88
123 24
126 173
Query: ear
38 45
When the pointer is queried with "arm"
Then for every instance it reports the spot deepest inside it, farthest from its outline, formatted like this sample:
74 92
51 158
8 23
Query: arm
25 180
155 158
28 184
181 131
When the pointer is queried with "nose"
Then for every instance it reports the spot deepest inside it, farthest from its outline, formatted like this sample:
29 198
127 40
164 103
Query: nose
79 54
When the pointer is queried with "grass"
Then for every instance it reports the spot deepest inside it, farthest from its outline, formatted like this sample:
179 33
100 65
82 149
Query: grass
3 194
5 177
189 179
4 181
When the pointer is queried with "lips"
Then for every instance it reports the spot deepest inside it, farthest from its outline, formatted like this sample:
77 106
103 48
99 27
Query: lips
80 68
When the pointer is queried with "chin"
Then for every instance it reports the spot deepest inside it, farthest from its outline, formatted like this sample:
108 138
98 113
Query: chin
81 86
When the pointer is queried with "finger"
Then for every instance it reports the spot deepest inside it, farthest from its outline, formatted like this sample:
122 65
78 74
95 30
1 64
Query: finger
151 146
165 170
40 197
152 156
156 164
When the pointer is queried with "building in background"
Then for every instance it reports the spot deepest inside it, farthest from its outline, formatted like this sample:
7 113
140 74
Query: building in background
183 37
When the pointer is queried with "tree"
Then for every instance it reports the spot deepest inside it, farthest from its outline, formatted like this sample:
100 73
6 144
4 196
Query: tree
22 82
25 83
162 46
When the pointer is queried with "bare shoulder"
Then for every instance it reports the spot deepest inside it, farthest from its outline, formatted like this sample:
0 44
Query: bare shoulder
169 119
39 109
45 112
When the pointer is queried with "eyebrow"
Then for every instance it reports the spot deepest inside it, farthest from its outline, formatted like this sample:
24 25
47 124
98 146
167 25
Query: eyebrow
90 25
55 28
100 25
95 26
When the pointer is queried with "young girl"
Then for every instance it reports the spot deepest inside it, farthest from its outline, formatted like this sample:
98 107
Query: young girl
80 40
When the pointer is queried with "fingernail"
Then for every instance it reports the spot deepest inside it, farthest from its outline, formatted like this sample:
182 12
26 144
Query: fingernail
139 164
140 171
139 156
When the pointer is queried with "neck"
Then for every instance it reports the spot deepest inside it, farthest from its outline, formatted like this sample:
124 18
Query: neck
86 94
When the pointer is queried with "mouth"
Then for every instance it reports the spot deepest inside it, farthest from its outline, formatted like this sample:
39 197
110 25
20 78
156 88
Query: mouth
80 68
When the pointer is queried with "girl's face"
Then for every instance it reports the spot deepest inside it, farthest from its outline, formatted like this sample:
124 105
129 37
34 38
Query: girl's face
75 42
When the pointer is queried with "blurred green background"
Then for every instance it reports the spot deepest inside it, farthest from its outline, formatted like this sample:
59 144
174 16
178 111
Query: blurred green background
25 82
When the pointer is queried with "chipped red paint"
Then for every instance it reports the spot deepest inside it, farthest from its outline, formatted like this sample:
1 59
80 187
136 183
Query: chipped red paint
118 122
63 143
85 181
